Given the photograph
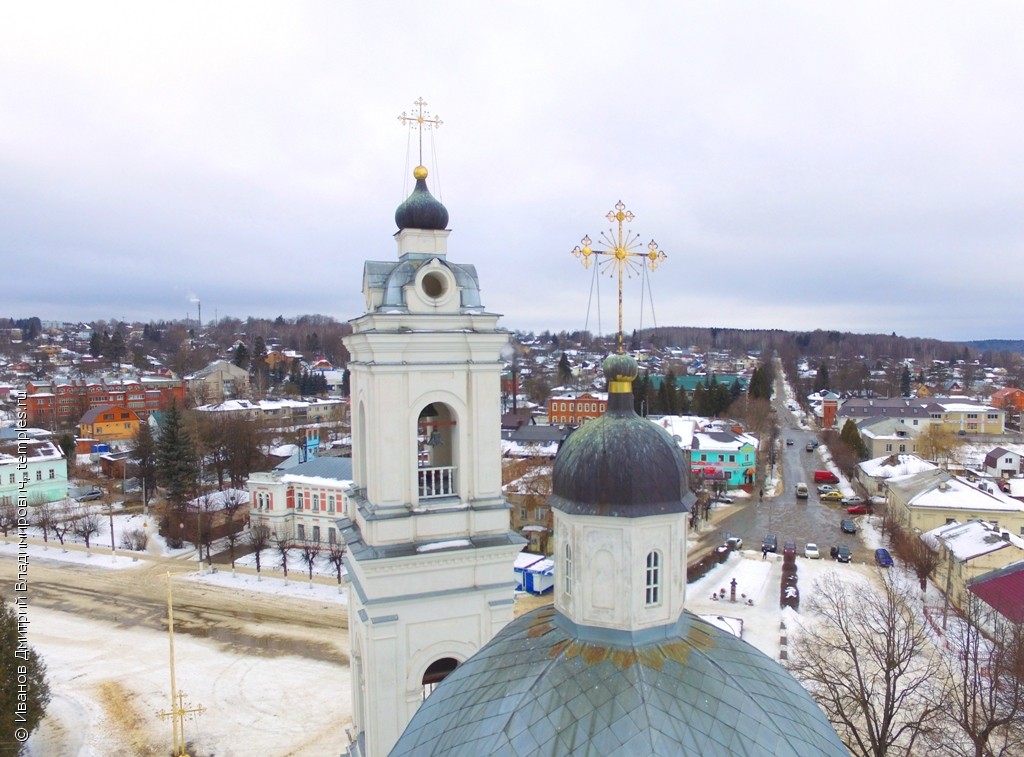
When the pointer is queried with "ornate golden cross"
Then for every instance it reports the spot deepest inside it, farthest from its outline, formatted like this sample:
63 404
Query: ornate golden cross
622 253
420 120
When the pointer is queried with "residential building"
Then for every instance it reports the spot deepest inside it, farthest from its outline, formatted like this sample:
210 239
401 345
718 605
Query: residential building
32 468
1002 590
724 456
968 551
280 413
933 498
62 403
220 380
1008 398
874 474
885 436
109 423
303 501
576 408
1003 463
956 413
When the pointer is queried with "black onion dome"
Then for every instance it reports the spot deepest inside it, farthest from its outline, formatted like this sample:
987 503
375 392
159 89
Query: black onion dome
620 464
421 210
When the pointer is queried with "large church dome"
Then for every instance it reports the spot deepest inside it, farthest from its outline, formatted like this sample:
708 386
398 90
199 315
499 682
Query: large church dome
620 464
537 688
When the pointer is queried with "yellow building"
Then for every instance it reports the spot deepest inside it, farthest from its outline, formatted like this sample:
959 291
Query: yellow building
969 550
109 423
930 499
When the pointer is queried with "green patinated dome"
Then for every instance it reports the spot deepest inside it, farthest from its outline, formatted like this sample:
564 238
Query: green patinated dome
537 688
620 464
421 210
620 368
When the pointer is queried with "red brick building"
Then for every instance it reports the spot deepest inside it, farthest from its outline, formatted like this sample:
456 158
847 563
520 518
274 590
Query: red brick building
63 403
576 409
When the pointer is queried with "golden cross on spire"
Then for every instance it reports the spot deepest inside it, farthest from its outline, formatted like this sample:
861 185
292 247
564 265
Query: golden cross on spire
622 252
420 120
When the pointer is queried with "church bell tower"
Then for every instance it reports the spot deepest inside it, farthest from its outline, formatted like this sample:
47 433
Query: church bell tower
430 553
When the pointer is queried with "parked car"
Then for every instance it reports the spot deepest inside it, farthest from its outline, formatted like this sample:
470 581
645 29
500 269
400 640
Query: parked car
826 488
770 543
825 477
859 510
877 500
848 526
832 496
883 558
810 446
725 499
854 500
841 553
789 549
90 495
735 542
789 442
811 551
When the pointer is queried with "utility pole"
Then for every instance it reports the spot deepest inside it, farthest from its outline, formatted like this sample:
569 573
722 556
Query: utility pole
178 709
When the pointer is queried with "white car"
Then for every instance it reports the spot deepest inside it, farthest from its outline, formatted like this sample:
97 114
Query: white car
826 488
811 551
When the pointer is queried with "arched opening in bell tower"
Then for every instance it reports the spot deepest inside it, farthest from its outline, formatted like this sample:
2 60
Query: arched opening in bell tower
436 453
436 672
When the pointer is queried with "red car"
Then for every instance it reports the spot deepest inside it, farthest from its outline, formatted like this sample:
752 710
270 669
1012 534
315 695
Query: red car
859 510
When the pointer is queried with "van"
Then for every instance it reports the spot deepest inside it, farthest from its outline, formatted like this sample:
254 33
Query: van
801 490
825 477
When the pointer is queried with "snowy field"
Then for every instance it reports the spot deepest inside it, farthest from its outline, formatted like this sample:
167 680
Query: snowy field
108 684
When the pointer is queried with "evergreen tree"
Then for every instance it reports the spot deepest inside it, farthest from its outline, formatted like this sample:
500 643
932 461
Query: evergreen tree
176 464
117 350
564 369
640 384
346 383
671 394
699 404
850 435
821 381
95 344
735 391
684 402
22 684
143 453
905 381
241 356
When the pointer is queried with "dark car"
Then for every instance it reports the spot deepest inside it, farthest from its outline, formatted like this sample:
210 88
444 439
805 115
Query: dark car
789 552
809 447
789 442
883 558
770 543
848 526
841 553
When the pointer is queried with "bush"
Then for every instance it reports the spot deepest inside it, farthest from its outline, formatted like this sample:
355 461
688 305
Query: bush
135 540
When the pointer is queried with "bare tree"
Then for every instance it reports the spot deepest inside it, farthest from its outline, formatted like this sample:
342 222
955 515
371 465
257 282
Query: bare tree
336 556
311 549
232 502
985 669
85 523
42 518
8 516
63 520
259 540
870 664
282 545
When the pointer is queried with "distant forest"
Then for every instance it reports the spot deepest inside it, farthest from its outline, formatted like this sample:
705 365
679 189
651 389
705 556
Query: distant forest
819 343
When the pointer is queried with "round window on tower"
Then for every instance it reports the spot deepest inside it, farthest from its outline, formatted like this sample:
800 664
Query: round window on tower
434 285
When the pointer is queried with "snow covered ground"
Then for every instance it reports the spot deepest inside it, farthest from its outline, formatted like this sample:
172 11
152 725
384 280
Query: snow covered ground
108 683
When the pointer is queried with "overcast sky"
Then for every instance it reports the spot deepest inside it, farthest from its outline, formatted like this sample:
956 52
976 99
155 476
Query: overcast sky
804 165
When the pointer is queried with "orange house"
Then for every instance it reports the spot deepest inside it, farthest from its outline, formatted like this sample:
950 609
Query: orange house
1008 397
109 423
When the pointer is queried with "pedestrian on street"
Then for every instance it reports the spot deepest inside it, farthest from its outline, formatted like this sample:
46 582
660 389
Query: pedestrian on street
764 553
